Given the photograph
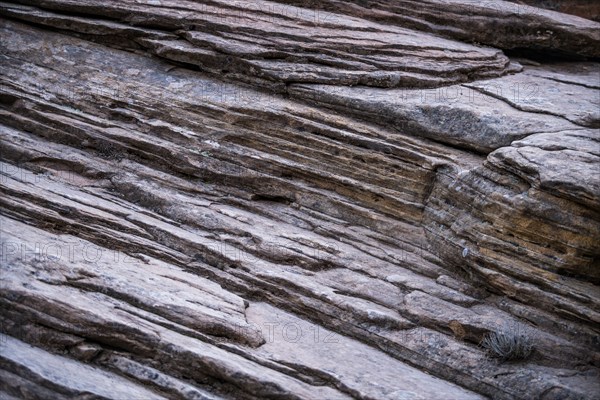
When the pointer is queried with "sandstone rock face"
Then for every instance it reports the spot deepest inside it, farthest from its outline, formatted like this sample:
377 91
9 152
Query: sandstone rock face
498 23
251 201
589 9
278 44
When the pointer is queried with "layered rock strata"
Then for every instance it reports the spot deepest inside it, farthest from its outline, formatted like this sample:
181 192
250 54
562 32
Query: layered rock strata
194 207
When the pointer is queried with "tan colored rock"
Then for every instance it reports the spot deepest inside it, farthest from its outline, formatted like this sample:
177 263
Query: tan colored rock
537 230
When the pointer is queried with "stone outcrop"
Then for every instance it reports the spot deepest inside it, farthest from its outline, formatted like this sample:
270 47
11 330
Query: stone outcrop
589 9
502 24
220 201
272 42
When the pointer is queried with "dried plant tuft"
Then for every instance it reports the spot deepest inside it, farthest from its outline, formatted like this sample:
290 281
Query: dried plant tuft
511 342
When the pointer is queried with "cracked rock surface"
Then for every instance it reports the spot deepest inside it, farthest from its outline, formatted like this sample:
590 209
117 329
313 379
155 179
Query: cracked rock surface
255 200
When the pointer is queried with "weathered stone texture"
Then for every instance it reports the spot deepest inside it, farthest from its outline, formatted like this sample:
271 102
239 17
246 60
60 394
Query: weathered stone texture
214 201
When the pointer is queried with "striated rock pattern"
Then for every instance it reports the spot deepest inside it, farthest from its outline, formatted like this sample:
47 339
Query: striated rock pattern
589 9
271 42
224 201
498 23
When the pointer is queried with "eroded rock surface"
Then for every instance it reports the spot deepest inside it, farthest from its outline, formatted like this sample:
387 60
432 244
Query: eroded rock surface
272 42
498 23
589 9
267 227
